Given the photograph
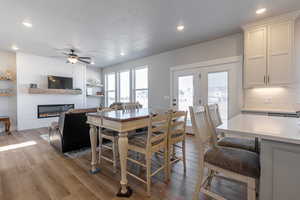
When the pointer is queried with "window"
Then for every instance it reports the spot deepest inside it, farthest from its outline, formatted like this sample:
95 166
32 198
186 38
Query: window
124 78
110 82
141 86
218 91
120 87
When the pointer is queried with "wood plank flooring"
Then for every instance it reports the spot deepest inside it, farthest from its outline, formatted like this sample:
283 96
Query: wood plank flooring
38 172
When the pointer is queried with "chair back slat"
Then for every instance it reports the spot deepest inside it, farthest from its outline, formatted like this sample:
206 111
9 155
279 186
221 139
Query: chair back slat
213 111
104 110
177 123
202 127
157 123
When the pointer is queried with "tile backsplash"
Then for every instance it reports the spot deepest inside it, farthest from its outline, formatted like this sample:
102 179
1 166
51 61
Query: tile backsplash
272 98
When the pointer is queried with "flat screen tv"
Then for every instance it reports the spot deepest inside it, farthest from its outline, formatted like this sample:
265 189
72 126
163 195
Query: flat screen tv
57 82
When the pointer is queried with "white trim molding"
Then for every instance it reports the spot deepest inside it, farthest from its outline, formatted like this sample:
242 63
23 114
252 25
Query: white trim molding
219 61
288 16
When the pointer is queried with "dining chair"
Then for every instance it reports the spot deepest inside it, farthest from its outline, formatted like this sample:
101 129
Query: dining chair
231 163
226 141
153 141
110 135
131 106
176 135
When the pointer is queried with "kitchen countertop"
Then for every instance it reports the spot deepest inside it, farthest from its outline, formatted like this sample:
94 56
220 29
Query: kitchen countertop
282 129
270 110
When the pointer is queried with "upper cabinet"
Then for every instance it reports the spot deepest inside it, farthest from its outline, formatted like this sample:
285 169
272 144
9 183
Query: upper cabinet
269 52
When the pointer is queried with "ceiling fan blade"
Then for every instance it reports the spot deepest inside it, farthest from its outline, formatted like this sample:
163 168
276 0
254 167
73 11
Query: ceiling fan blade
84 61
89 58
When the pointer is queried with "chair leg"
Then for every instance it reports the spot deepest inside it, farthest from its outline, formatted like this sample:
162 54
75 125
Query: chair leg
173 152
211 174
100 146
251 189
184 156
166 163
148 166
199 181
114 151
169 167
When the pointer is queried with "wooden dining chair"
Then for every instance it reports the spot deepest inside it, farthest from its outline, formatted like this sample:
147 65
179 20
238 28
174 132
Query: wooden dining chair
176 135
110 135
153 141
232 163
227 141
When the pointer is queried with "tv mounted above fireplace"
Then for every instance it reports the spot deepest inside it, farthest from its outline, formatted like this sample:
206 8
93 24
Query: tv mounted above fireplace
57 82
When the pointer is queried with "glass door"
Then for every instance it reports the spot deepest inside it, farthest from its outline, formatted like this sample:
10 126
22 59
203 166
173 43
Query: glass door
201 86
185 91
217 83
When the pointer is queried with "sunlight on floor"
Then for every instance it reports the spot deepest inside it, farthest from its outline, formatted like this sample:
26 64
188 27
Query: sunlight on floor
17 146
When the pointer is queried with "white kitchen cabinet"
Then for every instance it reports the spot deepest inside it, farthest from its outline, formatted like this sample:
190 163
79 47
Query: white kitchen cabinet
269 52
255 56
280 50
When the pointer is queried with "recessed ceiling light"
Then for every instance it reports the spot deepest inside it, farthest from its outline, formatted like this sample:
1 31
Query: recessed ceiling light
122 54
27 23
261 11
92 62
15 48
180 28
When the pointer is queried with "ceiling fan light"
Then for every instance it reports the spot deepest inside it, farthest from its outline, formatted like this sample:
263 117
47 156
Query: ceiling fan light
73 60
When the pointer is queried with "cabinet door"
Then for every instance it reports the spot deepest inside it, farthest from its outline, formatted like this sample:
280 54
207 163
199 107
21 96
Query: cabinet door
255 57
280 64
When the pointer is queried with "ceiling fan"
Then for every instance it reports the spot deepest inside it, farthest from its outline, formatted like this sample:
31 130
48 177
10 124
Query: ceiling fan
73 58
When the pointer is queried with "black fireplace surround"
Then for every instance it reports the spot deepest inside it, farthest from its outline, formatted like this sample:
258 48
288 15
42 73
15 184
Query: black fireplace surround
52 110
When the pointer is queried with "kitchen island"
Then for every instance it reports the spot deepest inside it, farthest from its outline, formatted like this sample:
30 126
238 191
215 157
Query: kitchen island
279 152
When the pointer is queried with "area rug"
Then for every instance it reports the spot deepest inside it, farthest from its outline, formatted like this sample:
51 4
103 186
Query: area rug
72 154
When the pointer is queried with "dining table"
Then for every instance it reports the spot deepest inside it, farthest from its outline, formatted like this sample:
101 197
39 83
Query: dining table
279 151
123 122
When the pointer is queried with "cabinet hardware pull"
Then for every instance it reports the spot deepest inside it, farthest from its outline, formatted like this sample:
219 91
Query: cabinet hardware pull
264 79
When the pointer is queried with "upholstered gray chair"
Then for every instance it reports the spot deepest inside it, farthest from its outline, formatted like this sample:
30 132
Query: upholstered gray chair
232 163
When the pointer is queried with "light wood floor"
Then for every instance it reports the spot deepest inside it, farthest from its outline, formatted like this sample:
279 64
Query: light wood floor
39 172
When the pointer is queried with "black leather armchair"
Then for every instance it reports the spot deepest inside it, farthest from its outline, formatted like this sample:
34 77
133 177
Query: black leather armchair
71 132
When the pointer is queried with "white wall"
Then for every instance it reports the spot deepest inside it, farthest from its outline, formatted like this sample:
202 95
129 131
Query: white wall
35 69
95 74
8 105
278 98
159 65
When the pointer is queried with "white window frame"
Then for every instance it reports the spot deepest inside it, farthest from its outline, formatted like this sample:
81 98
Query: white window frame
132 88
118 89
106 87
133 82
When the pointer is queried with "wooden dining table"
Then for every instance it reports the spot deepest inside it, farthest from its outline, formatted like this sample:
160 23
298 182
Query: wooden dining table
122 122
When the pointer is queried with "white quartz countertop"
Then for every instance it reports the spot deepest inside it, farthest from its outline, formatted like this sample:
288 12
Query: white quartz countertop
283 129
269 110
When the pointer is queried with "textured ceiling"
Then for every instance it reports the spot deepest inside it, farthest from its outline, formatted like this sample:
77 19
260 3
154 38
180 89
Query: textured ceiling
104 28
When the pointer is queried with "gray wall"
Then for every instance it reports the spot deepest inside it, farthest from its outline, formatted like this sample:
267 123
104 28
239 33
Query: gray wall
159 65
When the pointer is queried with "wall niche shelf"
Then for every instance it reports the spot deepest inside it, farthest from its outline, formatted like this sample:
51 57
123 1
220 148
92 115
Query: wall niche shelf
6 95
5 79
53 91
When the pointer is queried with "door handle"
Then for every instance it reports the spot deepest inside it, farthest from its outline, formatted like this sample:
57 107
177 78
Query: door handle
200 102
268 80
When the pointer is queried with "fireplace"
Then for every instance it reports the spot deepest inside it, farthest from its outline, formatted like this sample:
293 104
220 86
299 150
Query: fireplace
53 110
